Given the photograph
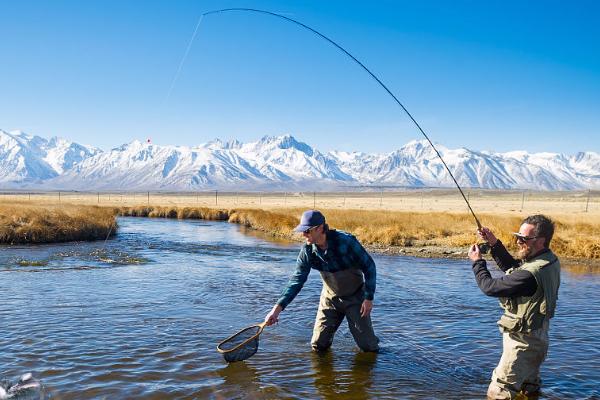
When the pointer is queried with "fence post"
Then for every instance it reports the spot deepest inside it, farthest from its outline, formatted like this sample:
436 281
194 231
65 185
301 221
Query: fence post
216 197
59 197
148 197
98 197
468 200
587 203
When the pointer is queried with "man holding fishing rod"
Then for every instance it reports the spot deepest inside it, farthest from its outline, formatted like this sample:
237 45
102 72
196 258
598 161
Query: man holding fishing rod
348 274
528 293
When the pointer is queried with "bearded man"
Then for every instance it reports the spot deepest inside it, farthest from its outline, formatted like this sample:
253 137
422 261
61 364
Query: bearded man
528 293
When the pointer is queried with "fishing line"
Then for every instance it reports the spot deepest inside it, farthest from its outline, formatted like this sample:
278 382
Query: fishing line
107 236
362 66
187 51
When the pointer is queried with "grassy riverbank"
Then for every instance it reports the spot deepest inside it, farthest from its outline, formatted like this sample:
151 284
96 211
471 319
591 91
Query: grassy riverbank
434 233
431 234
20 224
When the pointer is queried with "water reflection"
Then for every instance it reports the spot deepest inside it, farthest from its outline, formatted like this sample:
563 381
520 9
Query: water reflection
581 268
265 236
240 377
334 380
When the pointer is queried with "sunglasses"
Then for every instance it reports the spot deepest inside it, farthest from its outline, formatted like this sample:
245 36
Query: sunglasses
310 229
524 239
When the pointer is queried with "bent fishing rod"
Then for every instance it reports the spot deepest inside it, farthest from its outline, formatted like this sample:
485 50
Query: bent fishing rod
322 36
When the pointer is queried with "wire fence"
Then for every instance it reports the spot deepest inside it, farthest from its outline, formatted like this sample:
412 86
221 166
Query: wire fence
418 200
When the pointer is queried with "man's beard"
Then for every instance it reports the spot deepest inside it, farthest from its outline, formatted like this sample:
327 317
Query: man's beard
524 253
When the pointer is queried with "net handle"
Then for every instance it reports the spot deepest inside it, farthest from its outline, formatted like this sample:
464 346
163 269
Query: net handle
261 326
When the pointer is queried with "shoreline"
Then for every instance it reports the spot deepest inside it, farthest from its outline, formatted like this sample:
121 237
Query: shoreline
425 235
455 253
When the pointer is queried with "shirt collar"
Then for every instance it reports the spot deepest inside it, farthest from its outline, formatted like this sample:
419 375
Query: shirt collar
317 250
544 250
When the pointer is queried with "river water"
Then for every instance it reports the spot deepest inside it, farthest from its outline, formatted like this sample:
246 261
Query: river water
139 317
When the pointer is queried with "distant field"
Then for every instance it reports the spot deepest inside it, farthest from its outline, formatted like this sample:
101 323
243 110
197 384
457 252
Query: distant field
519 203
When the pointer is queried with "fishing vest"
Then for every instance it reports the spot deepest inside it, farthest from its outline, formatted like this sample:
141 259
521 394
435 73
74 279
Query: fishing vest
527 313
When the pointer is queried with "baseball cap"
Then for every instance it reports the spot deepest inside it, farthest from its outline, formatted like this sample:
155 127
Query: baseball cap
310 219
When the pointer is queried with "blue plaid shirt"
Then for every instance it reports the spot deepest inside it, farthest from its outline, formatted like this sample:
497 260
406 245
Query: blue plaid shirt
343 252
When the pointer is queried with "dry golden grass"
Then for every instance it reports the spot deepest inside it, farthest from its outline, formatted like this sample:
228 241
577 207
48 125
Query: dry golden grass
275 224
573 239
270 222
174 212
36 224
435 218
578 240
384 228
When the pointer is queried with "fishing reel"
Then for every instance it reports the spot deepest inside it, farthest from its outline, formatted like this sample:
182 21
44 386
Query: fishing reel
484 247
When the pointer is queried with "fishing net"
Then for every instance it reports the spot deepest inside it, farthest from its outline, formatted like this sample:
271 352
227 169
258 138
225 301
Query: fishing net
242 345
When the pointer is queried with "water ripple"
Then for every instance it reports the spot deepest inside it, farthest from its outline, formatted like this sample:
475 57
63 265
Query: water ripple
138 317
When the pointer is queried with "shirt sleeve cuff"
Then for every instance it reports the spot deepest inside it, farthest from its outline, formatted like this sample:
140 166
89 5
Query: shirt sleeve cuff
481 263
282 303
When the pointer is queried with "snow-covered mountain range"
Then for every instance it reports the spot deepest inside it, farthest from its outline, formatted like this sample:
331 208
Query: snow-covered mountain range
278 163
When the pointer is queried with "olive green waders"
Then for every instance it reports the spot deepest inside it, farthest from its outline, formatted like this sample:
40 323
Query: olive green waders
342 296
518 371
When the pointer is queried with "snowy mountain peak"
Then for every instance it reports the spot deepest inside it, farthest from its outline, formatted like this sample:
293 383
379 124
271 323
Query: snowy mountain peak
416 144
134 146
25 158
218 144
279 162
285 142
19 134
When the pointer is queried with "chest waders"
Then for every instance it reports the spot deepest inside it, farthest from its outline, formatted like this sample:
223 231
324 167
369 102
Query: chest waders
341 297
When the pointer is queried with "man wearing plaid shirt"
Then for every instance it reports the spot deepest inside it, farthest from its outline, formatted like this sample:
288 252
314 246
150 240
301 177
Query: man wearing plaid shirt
348 274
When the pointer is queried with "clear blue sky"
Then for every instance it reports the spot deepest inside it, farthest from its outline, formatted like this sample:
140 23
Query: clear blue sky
486 75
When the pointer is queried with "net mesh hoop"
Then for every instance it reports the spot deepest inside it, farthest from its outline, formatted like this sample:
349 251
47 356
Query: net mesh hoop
245 342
